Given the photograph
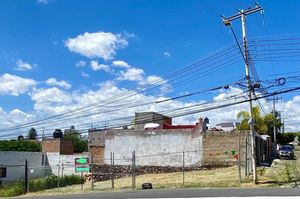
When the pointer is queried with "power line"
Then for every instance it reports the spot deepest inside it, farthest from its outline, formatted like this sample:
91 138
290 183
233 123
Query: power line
207 72
193 111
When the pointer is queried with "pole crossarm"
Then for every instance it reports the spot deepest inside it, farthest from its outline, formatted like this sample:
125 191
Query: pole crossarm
227 20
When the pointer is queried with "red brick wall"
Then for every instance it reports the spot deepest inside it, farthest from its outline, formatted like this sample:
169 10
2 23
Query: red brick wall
66 147
220 147
58 145
97 152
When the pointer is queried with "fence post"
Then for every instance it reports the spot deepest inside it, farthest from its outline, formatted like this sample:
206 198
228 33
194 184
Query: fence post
26 177
92 170
62 169
58 171
112 162
183 168
246 157
1 176
239 158
81 175
133 169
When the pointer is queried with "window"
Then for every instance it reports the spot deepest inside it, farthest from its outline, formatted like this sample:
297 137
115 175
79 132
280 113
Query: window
2 172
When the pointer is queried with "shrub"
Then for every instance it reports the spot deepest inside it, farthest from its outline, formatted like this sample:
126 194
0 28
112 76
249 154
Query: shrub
39 184
285 138
19 145
50 182
15 189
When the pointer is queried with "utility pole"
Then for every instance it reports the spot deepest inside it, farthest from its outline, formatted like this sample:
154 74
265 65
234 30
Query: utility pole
227 21
275 99
43 135
274 122
283 123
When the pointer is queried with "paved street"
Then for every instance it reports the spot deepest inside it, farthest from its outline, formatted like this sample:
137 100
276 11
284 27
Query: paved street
183 193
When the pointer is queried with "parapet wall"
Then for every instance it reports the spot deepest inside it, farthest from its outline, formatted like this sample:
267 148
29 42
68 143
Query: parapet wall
166 147
152 148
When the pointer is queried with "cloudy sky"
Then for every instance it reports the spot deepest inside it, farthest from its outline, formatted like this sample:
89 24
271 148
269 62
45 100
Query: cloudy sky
89 58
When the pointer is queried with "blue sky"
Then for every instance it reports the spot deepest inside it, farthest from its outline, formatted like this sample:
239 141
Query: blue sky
154 38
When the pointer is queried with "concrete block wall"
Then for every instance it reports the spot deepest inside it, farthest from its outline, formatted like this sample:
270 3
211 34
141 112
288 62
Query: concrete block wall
14 161
154 148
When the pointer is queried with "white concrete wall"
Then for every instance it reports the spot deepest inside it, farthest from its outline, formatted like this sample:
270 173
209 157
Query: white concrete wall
64 163
154 148
14 161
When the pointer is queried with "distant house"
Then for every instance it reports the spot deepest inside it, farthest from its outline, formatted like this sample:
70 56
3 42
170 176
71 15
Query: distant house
72 131
225 126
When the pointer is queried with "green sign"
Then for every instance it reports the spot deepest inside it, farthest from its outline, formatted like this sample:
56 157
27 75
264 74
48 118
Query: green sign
82 165
83 169
81 161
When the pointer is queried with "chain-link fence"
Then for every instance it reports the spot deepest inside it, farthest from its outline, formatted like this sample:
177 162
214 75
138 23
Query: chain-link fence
224 166
228 164
186 169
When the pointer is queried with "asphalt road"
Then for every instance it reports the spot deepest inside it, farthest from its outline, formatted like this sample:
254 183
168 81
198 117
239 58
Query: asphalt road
182 193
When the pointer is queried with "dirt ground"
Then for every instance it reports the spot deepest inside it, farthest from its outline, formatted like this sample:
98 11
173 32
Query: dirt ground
282 173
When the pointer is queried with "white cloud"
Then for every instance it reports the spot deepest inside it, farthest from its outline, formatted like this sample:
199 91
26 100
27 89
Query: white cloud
167 54
23 66
54 82
85 75
51 100
96 66
132 74
129 73
14 117
50 95
291 113
15 85
97 45
128 35
55 101
121 64
80 63
153 80
44 2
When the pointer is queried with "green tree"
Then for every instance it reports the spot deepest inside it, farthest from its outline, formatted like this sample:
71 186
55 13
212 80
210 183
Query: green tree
243 117
20 137
270 120
32 134
285 138
19 145
80 144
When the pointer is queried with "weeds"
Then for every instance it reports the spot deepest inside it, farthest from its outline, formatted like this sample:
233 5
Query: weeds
39 184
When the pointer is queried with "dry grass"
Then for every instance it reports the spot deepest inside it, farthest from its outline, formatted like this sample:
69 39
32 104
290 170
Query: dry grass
220 177
284 171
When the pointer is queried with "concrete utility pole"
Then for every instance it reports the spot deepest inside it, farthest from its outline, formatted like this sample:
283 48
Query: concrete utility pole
227 21
274 127
283 123
275 99
43 135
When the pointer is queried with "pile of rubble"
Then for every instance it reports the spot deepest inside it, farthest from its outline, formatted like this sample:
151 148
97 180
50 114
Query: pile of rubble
105 172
